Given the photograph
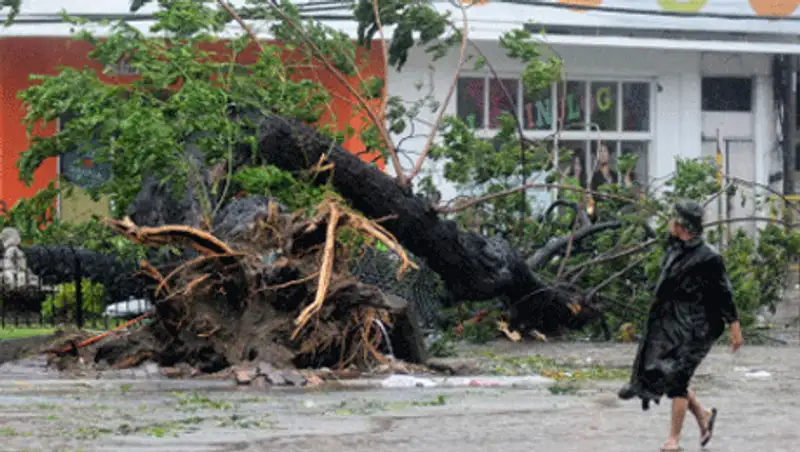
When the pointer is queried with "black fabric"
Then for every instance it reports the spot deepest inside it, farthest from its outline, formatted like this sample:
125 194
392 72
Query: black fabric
599 179
693 301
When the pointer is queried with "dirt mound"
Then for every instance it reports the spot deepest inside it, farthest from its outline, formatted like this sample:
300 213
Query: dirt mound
272 288
14 349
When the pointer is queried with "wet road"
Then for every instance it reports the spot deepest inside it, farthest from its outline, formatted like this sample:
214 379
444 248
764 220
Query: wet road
755 392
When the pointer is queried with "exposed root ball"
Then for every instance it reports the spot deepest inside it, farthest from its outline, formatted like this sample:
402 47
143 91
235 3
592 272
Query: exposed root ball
280 292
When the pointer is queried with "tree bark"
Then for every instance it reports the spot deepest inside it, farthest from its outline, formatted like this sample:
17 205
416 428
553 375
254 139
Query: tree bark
473 267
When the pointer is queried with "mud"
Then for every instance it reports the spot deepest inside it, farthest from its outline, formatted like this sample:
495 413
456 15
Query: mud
14 349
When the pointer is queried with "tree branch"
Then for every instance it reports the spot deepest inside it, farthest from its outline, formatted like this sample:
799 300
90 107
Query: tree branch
534 185
616 275
385 97
253 37
717 194
360 99
435 127
568 253
753 219
545 253
608 258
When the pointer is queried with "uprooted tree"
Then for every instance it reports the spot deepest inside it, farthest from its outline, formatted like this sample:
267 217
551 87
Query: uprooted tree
218 160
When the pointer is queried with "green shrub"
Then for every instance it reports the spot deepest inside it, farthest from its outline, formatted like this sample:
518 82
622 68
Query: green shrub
93 301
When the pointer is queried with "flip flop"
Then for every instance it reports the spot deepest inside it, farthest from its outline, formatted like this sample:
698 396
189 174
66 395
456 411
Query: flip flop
672 449
709 428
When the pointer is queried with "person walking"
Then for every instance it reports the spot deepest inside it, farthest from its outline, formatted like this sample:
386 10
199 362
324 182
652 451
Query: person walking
693 302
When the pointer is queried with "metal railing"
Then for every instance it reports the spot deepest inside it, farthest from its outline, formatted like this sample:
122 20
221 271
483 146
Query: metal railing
47 298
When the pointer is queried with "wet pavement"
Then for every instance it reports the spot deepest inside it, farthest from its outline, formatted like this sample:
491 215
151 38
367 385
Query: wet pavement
755 392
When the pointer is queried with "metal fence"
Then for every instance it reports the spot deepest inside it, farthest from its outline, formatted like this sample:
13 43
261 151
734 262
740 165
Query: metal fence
48 287
58 293
422 288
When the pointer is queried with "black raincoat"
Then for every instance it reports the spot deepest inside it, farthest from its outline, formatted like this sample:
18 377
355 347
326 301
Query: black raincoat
693 301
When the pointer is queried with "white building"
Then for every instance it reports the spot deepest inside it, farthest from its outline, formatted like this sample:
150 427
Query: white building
658 85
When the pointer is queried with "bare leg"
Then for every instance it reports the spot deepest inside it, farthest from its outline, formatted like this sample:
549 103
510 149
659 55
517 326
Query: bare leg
679 407
701 414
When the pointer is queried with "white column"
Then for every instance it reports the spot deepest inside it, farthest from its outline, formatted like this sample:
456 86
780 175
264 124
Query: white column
691 134
667 125
764 128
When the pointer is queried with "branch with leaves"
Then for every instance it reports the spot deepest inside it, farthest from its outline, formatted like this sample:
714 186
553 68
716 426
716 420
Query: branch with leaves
197 125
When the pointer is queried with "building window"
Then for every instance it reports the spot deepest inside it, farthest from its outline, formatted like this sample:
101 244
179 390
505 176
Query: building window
727 94
615 113
499 102
796 157
602 100
537 109
635 107
471 103
797 105
572 104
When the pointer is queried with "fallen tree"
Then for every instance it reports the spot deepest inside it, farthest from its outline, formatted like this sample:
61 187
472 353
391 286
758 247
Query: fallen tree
249 288
473 266
240 277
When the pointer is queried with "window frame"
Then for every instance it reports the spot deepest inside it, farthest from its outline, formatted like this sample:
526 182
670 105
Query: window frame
586 134
750 103
575 134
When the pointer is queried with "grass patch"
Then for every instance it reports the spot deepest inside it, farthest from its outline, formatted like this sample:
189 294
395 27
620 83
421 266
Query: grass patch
369 407
569 370
244 422
91 432
192 424
8 431
174 428
197 401
22 332
565 388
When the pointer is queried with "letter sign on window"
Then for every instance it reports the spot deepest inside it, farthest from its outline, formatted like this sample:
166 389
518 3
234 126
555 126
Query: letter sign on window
573 108
682 6
544 112
603 99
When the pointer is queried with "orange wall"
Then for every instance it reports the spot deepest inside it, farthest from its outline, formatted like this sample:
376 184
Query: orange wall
21 57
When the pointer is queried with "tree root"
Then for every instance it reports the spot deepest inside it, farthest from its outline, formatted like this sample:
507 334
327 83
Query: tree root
278 290
324 273
336 211
201 241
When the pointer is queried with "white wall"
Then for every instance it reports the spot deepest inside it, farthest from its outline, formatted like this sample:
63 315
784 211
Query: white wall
678 124
741 125
756 159
676 105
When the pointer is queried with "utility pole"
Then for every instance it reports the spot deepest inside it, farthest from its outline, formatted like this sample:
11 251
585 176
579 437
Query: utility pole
789 122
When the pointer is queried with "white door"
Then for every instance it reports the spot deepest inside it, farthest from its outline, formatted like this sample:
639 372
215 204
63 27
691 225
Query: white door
741 164
716 209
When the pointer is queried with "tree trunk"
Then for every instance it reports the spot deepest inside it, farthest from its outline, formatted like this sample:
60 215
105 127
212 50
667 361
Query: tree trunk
472 266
